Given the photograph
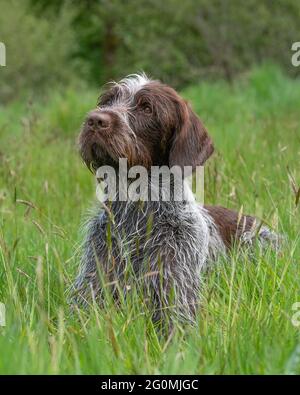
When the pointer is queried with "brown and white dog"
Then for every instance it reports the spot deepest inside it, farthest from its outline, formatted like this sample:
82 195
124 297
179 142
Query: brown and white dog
149 124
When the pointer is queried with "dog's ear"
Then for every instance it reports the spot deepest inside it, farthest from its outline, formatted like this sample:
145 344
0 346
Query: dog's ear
192 145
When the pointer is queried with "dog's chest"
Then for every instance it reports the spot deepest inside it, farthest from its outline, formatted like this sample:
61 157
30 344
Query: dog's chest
149 235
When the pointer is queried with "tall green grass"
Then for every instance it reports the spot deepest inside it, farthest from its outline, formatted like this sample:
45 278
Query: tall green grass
244 325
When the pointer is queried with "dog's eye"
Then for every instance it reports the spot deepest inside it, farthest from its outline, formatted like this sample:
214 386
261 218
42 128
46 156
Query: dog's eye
147 109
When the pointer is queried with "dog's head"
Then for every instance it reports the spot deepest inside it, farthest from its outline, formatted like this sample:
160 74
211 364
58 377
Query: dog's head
147 123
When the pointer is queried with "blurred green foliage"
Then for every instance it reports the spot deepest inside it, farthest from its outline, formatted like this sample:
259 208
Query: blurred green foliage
180 42
38 50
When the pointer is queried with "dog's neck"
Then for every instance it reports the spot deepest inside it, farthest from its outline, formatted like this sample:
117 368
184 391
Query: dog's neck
151 189
151 197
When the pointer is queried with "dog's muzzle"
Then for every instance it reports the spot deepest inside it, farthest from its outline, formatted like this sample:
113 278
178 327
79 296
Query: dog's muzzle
98 121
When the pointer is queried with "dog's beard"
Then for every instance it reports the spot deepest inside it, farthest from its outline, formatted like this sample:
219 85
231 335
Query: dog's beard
107 148
97 155
94 155
100 157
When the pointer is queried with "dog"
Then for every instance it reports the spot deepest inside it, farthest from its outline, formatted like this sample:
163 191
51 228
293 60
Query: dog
149 124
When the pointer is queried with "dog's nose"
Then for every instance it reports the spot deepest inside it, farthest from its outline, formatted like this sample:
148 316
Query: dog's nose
98 120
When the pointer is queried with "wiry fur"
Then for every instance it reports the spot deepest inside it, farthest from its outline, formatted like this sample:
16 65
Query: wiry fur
133 83
166 254
162 246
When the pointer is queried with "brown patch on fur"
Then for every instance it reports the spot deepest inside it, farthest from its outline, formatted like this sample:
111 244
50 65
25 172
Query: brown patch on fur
192 145
228 223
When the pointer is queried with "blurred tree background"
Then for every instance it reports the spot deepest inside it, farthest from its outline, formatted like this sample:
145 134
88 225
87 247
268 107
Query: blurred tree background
180 42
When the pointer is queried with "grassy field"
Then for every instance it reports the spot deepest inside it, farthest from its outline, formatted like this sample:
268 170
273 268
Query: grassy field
245 321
